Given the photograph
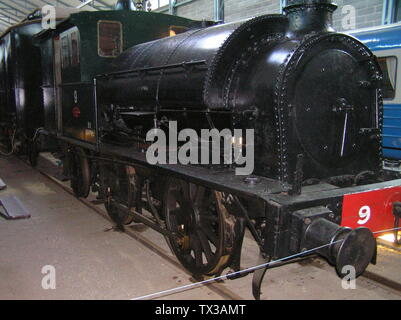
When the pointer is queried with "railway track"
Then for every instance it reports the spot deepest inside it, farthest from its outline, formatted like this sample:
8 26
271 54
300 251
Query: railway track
217 287
389 245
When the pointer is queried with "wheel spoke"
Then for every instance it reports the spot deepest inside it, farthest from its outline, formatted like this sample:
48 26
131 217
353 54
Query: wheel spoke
184 188
199 196
196 246
205 245
180 199
210 235
115 177
207 202
209 218
173 220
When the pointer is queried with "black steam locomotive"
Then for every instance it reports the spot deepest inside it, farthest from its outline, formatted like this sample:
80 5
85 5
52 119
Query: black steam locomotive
311 95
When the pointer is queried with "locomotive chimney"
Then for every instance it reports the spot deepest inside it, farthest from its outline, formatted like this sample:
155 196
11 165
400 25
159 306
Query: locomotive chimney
308 16
126 5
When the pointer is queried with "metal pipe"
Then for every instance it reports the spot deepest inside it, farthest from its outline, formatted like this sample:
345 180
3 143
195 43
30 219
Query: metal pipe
388 11
10 17
219 10
306 16
15 8
172 7
5 23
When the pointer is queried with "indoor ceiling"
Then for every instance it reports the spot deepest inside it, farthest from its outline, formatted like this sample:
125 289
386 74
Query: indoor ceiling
13 11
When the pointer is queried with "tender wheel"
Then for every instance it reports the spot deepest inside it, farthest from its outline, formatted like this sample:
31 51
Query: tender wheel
206 231
120 186
80 173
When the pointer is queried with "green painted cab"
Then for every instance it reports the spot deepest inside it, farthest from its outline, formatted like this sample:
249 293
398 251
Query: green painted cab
83 46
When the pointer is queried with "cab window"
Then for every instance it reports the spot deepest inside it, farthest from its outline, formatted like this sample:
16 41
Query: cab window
65 52
110 39
75 48
70 54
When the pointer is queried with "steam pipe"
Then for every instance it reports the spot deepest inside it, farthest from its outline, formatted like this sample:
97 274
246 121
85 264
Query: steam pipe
126 5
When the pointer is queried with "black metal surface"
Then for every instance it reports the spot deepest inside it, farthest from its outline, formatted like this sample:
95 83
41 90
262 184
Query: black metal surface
280 96
226 180
192 86
80 172
310 16
258 276
21 103
358 250
341 246
78 111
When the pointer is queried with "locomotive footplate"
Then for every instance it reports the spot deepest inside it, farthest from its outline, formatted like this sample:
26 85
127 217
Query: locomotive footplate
339 224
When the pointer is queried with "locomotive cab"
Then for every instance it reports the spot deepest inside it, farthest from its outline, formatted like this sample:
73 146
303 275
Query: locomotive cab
82 46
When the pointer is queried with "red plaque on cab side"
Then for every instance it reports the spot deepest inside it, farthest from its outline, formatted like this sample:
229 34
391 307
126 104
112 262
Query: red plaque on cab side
76 113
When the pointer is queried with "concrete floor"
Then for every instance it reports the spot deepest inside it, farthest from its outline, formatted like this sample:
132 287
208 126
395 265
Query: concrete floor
90 263
93 263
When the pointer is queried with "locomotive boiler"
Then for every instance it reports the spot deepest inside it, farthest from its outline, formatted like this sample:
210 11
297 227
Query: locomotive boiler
303 88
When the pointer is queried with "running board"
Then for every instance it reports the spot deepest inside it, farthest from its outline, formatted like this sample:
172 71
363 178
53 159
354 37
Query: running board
11 208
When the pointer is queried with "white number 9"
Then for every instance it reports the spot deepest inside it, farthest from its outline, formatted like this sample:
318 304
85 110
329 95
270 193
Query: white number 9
364 215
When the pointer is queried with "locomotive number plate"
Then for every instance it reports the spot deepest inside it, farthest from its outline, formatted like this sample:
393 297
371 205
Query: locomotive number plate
372 209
